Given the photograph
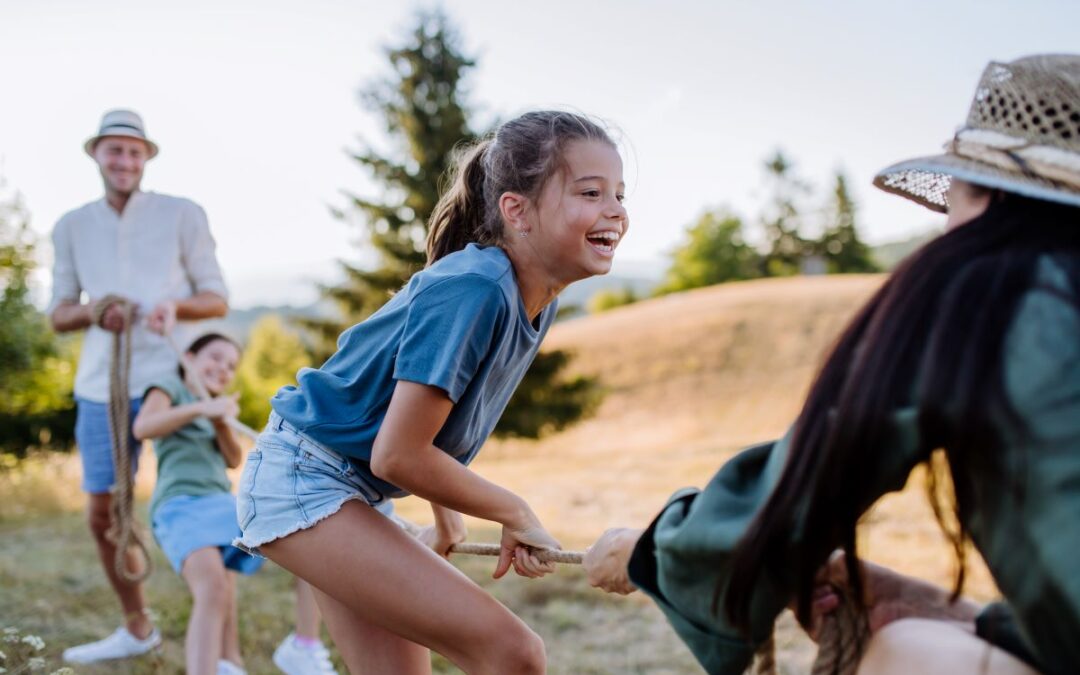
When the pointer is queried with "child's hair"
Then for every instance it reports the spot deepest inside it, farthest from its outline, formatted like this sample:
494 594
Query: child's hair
198 343
520 157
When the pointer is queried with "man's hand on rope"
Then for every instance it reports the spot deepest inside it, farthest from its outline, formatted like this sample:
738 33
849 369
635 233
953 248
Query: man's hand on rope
162 319
515 549
112 316
220 408
606 561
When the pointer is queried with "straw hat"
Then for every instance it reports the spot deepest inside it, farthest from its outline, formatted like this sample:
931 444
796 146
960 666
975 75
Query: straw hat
1022 135
121 123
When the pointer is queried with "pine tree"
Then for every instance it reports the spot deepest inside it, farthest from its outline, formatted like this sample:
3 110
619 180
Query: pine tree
840 245
782 219
423 108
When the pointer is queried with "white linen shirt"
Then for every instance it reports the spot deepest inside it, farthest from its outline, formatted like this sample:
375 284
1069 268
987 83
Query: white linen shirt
159 248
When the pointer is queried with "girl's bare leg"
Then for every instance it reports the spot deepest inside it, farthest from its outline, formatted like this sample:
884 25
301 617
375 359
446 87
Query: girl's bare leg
208 580
932 647
230 635
374 574
307 611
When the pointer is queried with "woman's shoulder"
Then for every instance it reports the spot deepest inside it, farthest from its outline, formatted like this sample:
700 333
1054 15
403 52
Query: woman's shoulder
1042 348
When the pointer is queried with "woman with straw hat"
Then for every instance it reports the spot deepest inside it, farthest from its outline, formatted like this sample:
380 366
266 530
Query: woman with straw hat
972 346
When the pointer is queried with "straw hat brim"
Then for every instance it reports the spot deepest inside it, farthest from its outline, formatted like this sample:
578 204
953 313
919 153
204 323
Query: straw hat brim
88 146
925 180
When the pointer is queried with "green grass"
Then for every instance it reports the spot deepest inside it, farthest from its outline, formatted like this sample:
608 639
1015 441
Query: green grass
53 587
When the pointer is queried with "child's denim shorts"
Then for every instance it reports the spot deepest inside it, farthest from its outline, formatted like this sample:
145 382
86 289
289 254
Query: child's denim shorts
291 482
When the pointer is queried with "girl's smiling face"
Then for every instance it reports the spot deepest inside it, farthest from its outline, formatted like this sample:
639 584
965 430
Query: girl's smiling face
579 217
216 365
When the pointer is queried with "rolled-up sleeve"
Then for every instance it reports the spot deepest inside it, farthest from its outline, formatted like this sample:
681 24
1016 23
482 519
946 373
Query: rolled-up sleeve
65 280
686 553
198 250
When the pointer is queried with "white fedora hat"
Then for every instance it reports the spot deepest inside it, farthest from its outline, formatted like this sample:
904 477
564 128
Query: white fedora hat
1022 135
121 123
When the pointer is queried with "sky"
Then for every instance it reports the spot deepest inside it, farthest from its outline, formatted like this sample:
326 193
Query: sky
255 104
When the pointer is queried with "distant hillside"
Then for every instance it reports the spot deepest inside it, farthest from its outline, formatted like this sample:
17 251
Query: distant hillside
889 255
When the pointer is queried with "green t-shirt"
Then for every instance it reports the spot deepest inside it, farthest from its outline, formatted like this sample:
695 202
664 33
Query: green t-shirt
189 462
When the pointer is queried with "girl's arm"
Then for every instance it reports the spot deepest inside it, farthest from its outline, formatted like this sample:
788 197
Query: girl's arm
158 417
404 454
227 444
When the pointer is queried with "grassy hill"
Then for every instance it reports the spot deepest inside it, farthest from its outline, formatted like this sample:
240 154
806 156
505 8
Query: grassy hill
691 378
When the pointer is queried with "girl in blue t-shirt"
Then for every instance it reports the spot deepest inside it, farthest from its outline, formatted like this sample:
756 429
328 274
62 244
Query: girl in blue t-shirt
415 390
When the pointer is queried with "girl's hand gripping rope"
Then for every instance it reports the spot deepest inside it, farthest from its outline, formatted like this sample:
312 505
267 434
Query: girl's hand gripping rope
516 546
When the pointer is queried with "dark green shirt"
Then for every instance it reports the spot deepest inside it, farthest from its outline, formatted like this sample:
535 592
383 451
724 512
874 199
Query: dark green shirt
189 462
1029 538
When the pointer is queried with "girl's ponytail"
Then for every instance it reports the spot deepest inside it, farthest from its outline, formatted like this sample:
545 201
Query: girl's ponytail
459 218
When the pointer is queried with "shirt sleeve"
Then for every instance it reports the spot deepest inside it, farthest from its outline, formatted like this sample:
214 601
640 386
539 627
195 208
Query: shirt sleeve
65 281
1038 560
686 554
198 250
450 329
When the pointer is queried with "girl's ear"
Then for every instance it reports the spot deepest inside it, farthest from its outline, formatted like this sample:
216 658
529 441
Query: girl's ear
512 208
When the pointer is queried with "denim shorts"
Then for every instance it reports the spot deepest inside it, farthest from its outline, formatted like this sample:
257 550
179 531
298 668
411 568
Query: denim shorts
185 523
290 482
94 439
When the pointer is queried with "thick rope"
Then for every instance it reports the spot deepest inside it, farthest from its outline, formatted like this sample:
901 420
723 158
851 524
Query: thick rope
841 642
122 530
542 554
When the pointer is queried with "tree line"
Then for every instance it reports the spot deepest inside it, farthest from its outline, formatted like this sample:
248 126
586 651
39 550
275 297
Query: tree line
422 105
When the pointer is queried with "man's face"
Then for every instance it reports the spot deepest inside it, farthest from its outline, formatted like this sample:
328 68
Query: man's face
121 161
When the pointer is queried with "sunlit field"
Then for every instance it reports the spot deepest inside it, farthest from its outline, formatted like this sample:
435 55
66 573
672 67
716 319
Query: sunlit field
690 378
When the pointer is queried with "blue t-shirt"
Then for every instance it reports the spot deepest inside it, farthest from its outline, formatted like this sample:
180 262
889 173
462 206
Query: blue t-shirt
459 325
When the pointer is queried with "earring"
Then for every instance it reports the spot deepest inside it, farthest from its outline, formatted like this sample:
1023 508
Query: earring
523 233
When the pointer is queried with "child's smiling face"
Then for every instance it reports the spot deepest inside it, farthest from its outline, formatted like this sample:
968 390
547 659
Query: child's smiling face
579 217
216 365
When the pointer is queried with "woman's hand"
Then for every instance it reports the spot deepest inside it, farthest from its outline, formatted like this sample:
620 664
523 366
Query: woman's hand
517 541
449 529
889 596
606 561
220 407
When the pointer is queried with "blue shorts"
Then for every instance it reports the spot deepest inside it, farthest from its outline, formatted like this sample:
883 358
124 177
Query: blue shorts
290 482
95 444
186 523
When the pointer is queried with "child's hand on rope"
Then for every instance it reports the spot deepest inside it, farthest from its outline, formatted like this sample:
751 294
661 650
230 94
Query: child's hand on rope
162 319
517 540
606 561
449 529
221 407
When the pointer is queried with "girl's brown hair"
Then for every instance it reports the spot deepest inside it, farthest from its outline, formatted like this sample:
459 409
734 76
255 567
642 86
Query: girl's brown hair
519 157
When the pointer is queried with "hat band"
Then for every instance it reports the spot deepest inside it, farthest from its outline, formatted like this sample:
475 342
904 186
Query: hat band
1012 153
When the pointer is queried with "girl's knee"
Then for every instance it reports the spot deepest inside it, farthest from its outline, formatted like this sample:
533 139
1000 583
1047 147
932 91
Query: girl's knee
521 651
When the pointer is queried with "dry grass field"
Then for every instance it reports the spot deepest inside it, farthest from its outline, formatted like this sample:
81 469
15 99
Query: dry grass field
690 378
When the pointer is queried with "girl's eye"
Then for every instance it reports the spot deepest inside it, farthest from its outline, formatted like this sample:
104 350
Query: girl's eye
620 198
591 193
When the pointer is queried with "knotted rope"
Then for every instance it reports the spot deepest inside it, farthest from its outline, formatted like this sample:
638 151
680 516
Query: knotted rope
841 641
122 531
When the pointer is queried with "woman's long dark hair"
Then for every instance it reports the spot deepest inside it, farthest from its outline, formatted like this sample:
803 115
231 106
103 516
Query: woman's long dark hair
933 334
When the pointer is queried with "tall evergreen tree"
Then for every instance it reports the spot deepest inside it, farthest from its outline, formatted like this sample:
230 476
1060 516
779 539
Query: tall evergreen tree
782 219
38 371
840 245
422 105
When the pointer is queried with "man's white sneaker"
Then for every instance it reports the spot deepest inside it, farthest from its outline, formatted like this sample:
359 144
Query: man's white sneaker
120 645
295 659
